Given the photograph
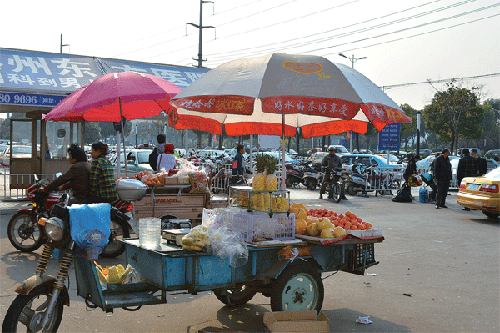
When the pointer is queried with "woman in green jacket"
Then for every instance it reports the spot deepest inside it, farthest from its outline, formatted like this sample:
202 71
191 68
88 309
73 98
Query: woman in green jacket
102 180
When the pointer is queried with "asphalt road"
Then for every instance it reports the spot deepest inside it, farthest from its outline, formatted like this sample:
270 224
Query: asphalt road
438 272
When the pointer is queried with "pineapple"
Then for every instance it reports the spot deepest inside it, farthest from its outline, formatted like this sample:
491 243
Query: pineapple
259 182
271 182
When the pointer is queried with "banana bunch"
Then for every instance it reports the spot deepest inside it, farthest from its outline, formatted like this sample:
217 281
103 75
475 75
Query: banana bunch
196 239
112 275
280 204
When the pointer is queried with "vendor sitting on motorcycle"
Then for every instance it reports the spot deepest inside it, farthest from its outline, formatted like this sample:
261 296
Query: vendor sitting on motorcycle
102 185
76 178
329 163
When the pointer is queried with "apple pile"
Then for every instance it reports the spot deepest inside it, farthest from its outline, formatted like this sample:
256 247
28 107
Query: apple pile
347 221
325 223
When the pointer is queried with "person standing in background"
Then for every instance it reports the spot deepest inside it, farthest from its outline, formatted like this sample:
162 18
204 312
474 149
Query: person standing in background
433 184
467 166
238 161
158 150
482 165
167 160
442 177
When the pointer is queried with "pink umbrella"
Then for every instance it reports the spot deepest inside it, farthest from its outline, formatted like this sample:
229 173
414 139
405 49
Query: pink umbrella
116 95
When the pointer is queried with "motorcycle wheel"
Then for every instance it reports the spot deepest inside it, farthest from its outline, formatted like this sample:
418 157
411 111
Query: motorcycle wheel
119 230
28 311
335 192
24 234
311 185
351 189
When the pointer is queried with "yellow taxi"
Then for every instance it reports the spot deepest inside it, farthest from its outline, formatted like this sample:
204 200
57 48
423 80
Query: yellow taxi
481 193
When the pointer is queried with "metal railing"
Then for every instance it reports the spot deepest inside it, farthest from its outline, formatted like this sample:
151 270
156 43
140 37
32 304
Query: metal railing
14 186
383 180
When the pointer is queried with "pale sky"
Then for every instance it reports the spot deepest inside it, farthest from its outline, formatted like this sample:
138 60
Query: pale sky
403 41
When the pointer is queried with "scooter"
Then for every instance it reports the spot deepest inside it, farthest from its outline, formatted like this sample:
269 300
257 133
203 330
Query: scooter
294 176
311 178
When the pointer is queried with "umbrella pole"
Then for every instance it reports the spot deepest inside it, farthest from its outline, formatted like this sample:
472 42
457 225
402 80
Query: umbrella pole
123 137
283 169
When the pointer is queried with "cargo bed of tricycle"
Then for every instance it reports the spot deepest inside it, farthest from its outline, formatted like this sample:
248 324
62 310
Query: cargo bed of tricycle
270 269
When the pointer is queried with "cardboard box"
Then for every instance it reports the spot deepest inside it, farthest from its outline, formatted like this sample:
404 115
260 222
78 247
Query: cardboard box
296 321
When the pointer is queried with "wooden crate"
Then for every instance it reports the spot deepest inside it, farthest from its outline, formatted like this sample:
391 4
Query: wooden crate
185 206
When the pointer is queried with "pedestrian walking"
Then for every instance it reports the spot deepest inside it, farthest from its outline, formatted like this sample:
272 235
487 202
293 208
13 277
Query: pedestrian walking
442 177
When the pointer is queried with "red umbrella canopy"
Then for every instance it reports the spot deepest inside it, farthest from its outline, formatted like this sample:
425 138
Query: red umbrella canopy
250 96
116 95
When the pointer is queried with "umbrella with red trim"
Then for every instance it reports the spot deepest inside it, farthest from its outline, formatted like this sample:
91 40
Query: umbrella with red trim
278 93
251 96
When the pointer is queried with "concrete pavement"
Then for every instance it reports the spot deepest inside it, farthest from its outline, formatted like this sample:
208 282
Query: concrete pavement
438 271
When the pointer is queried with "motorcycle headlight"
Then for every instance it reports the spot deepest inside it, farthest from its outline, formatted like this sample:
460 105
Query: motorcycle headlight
55 228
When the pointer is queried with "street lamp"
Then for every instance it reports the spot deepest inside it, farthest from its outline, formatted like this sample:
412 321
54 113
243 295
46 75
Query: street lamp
352 59
419 114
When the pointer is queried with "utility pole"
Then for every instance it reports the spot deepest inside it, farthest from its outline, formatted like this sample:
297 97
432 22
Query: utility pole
200 33
61 45
353 60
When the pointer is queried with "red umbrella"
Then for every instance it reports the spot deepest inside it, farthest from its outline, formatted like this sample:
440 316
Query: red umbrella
116 95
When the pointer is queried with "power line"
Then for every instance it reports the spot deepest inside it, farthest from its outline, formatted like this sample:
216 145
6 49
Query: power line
325 32
168 31
465 78
381 25
236 20
400 31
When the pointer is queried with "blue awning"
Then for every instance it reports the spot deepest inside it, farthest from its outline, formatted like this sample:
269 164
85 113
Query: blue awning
36 76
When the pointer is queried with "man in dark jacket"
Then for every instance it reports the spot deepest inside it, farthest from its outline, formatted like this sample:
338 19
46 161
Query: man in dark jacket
467 166
76 178
442 177
482 165
158 150
329 163
238 161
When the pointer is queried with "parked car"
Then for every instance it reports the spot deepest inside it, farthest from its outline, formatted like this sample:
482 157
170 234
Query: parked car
423 152
137 161
491 164
493 154
481 193
317 158
18 151
341 150
372 160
